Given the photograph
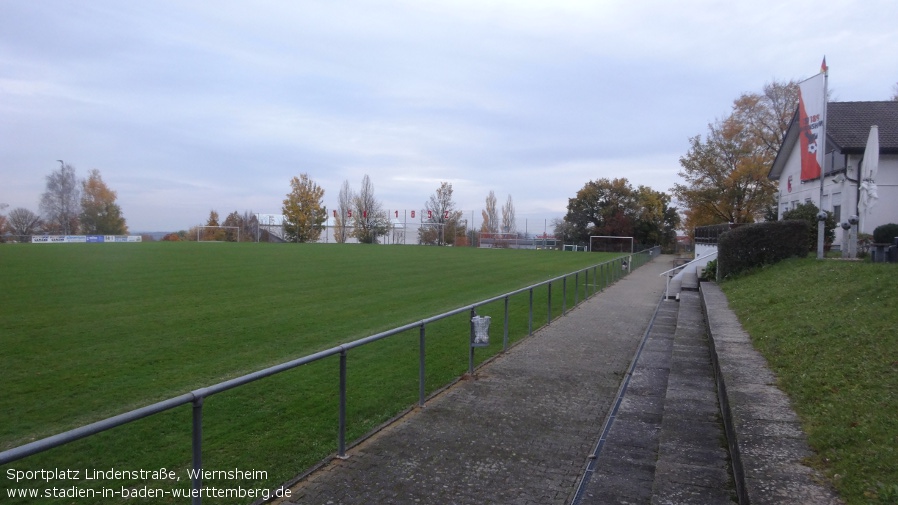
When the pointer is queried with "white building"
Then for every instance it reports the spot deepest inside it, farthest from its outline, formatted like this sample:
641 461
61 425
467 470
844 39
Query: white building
847 129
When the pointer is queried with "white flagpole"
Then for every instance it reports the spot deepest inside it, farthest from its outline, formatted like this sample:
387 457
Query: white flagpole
821 217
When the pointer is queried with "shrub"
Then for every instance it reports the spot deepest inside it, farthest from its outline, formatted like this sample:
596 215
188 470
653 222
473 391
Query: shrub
710 271
807 212
885 234
759 244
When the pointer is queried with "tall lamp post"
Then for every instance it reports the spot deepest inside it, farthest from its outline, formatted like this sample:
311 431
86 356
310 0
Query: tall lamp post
66 218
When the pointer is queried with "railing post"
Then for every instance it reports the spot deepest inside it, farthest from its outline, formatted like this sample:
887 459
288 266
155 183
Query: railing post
341 442
421 364
585 284
197 479
549 320
564 295
595 280
505 334
470 343
576 288
530 319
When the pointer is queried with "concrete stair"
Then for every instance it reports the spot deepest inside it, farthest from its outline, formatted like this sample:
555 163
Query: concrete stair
666 443
693 460
686 279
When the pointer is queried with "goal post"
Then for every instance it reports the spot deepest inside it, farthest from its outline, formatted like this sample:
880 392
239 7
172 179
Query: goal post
608 243
215 233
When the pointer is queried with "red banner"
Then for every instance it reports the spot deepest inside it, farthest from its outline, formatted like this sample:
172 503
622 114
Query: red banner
812 138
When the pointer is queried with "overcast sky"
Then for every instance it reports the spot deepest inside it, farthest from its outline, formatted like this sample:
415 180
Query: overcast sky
188 106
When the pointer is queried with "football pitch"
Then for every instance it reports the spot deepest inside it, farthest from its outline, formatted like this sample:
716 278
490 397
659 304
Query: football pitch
89 331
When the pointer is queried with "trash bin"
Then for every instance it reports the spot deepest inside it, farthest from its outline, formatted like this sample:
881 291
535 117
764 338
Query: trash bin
879 253
481 329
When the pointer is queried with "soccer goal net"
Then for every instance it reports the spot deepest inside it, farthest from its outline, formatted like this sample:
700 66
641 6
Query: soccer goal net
604 243
218 234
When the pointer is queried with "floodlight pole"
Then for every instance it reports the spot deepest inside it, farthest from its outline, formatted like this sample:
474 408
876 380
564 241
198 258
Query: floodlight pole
66 223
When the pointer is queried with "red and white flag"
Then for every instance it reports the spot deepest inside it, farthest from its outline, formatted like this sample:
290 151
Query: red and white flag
811 114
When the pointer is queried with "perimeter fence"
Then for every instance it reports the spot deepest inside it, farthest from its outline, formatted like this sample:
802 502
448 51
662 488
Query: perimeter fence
582 284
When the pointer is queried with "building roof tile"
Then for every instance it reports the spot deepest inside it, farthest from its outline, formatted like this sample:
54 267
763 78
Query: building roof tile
848 125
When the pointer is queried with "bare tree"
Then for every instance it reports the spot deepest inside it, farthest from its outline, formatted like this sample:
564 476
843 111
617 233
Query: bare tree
342 215
565 230
508 217
369 219
490 215
249 223
442 220
3 221
22 222
61 202
246 224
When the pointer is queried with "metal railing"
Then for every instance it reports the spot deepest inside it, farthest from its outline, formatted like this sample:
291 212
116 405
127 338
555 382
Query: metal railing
671 275
605 273
711 234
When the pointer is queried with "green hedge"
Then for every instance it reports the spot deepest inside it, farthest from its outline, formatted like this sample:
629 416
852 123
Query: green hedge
753 245
885 234
807 212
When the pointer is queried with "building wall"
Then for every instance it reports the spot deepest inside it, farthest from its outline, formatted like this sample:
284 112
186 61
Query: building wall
840 194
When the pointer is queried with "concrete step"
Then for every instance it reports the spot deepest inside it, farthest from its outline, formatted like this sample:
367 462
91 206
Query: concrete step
666 440
674 287
690 280
767 445
687 278
693 459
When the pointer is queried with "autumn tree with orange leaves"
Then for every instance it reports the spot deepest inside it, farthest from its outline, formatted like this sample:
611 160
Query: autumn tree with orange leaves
304 210
99 213
726 172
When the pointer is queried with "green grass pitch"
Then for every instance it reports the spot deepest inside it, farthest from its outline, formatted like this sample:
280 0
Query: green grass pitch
93 330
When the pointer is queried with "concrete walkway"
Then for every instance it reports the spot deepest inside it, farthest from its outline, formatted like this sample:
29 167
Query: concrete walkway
522 431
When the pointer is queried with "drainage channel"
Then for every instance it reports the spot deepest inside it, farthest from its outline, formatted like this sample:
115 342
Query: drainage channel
612 414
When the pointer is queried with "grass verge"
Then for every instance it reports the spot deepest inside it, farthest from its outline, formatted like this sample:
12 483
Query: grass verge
829 330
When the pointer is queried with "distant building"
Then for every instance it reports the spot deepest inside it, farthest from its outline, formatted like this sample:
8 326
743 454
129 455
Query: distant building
847 129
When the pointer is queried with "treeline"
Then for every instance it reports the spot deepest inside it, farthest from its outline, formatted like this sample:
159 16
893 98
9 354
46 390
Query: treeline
68 206
613 207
